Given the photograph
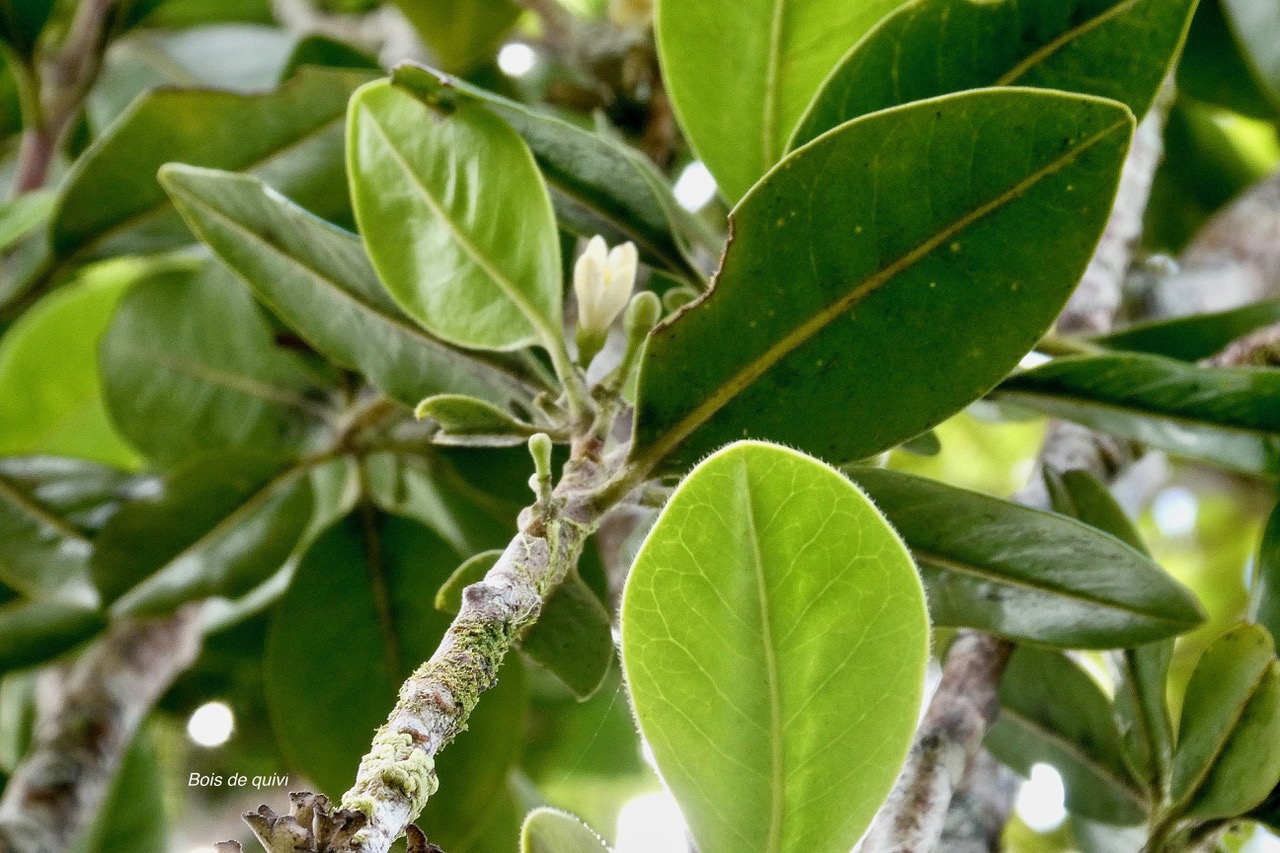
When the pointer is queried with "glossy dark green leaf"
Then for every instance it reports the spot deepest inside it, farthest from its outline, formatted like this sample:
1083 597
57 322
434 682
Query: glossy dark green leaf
1226 762
1118 49
739 104
462 34
1225 416
1195 337
319 49
1026 574
49 508
1256 23
599 185
456 219
191 364
357 619
1265 605
33 632
219 526
471 422
774 636
318 280
21 22
820 317
1140 673
1051 711
1215 69
552 831
56 405
292 138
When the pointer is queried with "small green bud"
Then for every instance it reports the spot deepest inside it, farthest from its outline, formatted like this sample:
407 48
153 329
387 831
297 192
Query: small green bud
643 313
540 447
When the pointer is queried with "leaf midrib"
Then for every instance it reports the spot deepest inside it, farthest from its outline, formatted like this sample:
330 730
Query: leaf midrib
506 285
772 85
777 772
758 366
38 511
1051 47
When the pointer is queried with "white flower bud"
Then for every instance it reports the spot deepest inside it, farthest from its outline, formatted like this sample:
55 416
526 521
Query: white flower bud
603 281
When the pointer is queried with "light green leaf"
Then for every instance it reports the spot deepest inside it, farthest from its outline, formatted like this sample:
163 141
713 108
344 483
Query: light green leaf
132 816
1195 337
49 509
1026 574
191 364
55 405
1226 762
21 215
774 636
738 104
1118 49
471 422
553 831
318 280
1051 711
219 526
599 185
456 219
473 570
1225 416
292 138
836 299
33 632
331 681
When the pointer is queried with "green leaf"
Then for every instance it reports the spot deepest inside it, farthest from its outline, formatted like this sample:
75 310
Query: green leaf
33 632
1256 23
318 280
1051 711
1264 608
552 831
774 636
456 219
1141 673
738 104
132 816
1226 762
573 637
1026 574
331 681
1216 67
1195 337
468 421
1118 49
599 185
21 215
462 34
820 317
218 526
1225 416
55 405
21 22
191 364
319 49
49 508
292 138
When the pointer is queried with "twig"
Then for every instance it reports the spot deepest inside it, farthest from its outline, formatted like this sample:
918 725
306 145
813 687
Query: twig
80 740
967 700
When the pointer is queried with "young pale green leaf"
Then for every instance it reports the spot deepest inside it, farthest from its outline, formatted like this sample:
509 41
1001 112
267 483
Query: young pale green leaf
355 622
553 831
467 421
599 185
1264 607
462 34
21 215
1226 762
774 636
1195 337
49 509
877 260
1051 711
738 105
1118 49
191 364
1026 574
318 280
52 405
33 632
573 637
1140 673
456 219
219 526
292 138
1225 416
